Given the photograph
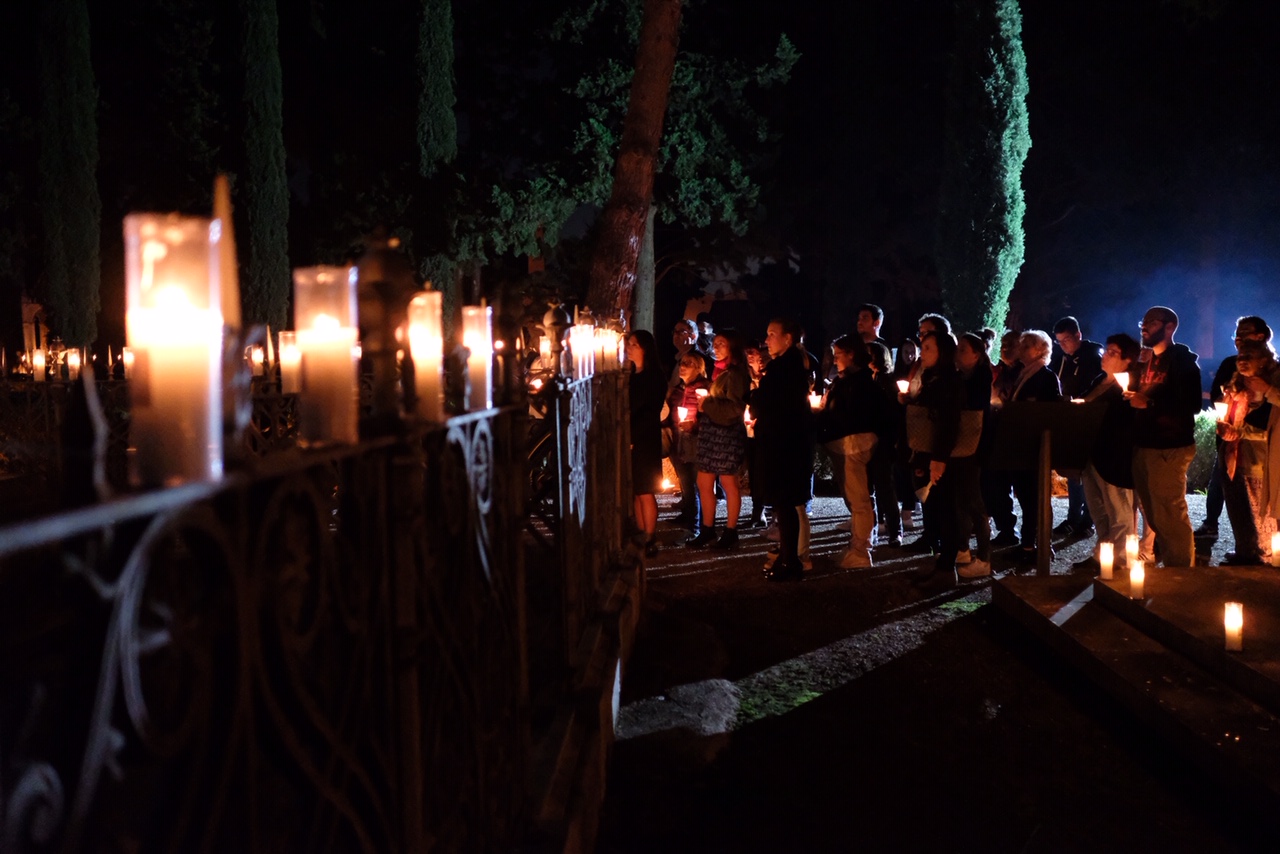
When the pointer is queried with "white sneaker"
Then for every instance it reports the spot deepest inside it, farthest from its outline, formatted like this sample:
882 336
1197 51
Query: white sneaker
855 559
964 557
975 569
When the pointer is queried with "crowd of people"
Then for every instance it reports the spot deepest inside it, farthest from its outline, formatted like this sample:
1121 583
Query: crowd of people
912 431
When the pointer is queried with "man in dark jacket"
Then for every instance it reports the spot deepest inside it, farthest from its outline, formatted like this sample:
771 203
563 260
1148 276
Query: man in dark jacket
1077 363
1166 397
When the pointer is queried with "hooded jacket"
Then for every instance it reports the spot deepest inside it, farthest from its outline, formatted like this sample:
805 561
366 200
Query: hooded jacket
1171 383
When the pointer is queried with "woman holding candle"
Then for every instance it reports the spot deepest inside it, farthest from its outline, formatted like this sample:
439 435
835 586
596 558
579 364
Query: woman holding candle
975 370
681 421
648 394
1243 457
757 360
1036 383
722 439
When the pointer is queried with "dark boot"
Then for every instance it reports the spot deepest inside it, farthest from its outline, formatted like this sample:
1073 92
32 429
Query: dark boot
705 537
728 540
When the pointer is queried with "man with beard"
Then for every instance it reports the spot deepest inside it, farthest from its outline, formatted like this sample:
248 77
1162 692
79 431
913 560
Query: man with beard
1166 395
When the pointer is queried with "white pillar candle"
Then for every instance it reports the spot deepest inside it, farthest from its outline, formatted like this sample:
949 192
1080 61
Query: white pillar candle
815 402
73 364
1275 549
1122 379
174 325
682 412
1130 549
257 360
1106 559
903 386
324 300
1233 626
1137 578
477 337
1220 409
38 365
290 363
426 348
126 356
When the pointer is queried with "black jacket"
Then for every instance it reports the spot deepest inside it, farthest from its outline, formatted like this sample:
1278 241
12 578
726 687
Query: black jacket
1171 383
1042 387
1077 372
784 432
855 404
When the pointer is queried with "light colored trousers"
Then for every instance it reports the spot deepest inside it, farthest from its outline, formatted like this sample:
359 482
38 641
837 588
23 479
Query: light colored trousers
1160 483
1111 508
849 458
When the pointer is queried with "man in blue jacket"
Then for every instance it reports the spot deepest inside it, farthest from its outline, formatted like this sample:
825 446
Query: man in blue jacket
1166 395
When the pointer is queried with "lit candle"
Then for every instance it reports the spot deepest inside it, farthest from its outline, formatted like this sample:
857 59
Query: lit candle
536 384
1275 549
256 360
682 412
544 352
1233 626
73 364
666 484
1130 549
701 392
174 325
324 300
1137 576
1122 379
126 356
477 337
290 363
903 386
815 402
38 365
1106 559
426 347
1220 408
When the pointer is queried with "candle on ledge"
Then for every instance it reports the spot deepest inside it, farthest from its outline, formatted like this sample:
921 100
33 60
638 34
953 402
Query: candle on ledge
1137 577
1233 626
1275 549
1131 549
126 358
38 365
1106 559
426 347
324 300
544 353
1122 379
290 363
1220 409
477 337
257 360
174 325
73 364
903 386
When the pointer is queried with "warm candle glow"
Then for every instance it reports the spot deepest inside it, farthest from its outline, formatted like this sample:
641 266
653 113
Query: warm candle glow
1106 559
1233 626
1122 379
1220 409
126 356
477 337
1137 578
682 412
173 321
290 363
815 401
257 360
38 365
666 483
324 300
1275 549
544 352
73 364
903 386
426 347
1131 548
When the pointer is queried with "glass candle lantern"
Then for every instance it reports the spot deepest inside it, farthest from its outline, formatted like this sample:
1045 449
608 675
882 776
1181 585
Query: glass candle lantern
477 337
173 321
324 306
426 348
38 365
290 363
73 364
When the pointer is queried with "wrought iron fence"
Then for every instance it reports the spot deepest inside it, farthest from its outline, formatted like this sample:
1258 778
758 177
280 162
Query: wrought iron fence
328 655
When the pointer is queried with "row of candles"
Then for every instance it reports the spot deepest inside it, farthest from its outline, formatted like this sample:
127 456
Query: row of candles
1233 612
174 325
591 348
43 364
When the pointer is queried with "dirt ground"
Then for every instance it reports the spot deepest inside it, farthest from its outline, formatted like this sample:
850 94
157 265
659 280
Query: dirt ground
852 712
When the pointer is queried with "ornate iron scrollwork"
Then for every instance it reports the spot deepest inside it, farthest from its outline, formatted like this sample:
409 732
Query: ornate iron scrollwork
579 428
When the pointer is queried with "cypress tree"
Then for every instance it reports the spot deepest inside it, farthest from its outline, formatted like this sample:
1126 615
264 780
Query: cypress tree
70 207
263 188
437 126
980 237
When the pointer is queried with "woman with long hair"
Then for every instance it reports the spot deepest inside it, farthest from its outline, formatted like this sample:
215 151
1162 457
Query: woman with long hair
648 394
1242 461
722 439
1036 383
975 370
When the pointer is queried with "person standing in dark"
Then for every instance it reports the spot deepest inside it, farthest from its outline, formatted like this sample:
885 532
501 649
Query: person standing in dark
1166 395
648 394
784 439
684 337
1077 364
997 485
1036 384
870 318
1250 328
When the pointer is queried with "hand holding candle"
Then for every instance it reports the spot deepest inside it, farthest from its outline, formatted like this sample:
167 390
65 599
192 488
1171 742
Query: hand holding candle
904 386
1220 409
1122 379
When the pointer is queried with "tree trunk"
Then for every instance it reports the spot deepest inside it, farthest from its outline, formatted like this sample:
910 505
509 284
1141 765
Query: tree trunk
646 290
613 266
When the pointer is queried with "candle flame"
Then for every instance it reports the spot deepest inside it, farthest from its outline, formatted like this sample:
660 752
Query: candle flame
326 322
1233 618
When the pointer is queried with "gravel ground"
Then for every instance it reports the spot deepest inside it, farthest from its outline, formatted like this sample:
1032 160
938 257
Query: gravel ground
852 712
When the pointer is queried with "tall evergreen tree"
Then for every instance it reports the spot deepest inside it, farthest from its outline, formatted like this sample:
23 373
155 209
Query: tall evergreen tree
437 126
263 189
981 206
70 207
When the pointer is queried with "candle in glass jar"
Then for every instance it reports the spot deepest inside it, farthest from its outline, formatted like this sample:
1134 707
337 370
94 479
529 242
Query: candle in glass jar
174 325
1233 626
290 363
1130 549
426 347
1106 560
1137 578
126 359
1220 409
815 402
73 364
1122 379
903 386
544 352
257 360
682 412
477 337
38 365
324 300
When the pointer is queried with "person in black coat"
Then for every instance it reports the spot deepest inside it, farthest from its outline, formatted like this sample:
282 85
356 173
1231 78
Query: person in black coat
648 396
1077 364
1036 384
784 441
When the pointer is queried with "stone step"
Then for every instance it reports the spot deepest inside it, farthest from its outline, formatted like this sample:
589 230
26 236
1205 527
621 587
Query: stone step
1223 730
